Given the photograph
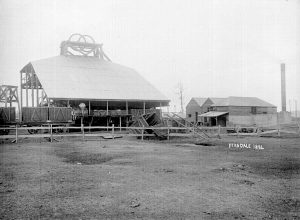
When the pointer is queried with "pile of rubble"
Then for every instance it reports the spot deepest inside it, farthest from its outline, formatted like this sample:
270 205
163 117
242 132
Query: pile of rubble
151 119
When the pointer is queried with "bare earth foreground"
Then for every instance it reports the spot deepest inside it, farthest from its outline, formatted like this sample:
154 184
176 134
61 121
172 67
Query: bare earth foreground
131 179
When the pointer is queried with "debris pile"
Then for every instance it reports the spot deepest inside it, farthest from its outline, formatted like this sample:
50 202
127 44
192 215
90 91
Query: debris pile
151 119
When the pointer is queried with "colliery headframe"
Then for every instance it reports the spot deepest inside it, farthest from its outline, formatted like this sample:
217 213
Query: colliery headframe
52 89
82 86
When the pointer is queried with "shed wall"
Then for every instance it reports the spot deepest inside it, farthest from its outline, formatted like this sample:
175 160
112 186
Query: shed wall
245 110
191 109
253 120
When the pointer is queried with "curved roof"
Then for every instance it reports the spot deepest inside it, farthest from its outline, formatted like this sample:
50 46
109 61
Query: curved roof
75 77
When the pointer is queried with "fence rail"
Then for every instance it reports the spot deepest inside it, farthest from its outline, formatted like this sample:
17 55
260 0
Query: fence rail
85 131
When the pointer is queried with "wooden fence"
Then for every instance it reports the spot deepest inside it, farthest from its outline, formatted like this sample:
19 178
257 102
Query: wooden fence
113 132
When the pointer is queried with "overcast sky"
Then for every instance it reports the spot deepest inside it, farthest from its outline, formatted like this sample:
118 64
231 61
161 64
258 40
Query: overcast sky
215 48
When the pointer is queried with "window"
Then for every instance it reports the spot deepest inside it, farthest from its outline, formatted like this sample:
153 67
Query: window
253 110
189 115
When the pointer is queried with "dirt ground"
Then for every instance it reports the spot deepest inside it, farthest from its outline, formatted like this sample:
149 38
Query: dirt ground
133 179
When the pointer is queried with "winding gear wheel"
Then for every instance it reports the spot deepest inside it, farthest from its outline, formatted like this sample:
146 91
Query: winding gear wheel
84 39
82 45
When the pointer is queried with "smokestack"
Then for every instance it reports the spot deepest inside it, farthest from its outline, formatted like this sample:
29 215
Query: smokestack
283 90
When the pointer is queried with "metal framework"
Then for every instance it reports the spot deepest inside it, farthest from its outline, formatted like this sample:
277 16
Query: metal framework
82 45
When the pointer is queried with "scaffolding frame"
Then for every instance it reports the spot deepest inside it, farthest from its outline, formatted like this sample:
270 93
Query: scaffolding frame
29 83
9 94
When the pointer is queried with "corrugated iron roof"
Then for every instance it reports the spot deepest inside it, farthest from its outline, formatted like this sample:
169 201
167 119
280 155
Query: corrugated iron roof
240 101
71 77
212 114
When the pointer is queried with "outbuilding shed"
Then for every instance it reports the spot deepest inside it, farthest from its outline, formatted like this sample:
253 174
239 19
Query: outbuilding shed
233 111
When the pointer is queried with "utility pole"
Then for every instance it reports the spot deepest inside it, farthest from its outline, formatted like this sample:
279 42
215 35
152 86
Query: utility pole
181 90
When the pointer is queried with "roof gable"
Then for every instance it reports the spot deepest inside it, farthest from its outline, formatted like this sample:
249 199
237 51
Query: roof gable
219 101
199 101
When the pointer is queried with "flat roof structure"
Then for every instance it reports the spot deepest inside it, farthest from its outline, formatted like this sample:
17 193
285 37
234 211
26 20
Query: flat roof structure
212 114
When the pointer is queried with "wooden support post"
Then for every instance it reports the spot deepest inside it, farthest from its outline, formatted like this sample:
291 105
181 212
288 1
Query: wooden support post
5 97
107 123
144 108
126 108
120 123
143 133
168 134
9 113
68 102
107 108
32 91
42 97
51 133
89 107
37 90
82 128
10 97
90 124
26 83
160 110
219 131
16 133
113 131
21 99
19 108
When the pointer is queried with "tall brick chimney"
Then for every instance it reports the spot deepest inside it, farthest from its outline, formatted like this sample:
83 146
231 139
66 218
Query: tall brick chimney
283 89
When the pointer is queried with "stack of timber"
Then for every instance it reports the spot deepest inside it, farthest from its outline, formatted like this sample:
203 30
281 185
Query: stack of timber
147 121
